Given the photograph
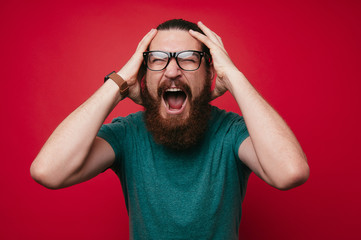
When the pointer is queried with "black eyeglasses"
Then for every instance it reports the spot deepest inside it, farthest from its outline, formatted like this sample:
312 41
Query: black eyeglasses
189 60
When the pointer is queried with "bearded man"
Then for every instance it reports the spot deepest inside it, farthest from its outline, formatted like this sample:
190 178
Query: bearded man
183 164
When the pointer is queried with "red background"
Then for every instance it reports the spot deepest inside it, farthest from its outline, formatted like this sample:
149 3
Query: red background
302 56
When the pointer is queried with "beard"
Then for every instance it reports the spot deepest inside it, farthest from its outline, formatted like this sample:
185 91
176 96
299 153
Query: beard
177 133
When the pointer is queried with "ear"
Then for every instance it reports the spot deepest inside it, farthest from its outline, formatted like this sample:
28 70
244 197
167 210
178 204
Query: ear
212 71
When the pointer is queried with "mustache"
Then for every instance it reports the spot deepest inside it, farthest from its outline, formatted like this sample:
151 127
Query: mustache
179 84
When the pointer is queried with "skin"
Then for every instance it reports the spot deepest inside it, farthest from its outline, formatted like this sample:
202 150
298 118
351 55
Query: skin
74 154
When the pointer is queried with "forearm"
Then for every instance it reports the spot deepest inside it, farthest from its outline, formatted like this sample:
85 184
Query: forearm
73 154
273 152
283 163
68 146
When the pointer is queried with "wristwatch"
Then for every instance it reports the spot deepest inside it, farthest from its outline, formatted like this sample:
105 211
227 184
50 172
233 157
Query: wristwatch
123 85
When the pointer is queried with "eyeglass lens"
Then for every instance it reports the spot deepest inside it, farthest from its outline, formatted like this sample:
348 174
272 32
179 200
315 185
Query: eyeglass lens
187 60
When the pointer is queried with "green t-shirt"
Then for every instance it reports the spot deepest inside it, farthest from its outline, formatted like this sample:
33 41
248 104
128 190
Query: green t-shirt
191 194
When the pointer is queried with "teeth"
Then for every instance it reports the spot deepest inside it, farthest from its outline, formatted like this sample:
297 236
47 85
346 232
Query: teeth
173 90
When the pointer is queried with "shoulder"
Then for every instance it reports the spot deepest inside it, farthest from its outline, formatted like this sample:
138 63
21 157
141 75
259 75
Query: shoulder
122 126
228 126
134 120
133 117
220 117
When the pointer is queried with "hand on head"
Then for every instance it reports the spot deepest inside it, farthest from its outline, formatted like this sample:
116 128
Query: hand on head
221 61
131 71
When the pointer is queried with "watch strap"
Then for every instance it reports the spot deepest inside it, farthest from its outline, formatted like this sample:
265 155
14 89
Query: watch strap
123 85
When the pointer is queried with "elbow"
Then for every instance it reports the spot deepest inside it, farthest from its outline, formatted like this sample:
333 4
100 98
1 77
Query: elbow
43 177
295 176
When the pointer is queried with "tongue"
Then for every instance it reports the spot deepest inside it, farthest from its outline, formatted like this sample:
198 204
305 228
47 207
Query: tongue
175 101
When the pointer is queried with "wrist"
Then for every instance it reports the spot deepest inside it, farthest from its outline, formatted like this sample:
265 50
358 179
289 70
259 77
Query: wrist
230 77
122 84
124 76
241 87
234 80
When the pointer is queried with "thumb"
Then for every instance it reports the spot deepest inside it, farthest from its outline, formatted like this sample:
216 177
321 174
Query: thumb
215 94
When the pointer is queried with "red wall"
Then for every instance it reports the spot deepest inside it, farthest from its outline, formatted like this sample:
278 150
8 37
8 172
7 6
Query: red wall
304 58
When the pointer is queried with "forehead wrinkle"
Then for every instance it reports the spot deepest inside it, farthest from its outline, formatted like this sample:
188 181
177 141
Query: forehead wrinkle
174 41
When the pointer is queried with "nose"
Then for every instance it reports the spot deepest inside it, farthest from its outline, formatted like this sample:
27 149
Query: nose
172 70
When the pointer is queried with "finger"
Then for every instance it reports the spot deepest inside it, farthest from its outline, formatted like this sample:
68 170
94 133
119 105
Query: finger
134 63
215 94
212 35
202 38
219 40
144 43
208 32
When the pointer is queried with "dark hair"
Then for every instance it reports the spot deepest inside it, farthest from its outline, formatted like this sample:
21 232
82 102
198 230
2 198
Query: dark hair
181 24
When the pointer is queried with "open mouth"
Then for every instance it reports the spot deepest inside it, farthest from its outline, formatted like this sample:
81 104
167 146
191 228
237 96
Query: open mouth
174 99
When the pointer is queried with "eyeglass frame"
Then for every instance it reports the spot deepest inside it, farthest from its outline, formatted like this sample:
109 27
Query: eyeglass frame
175 56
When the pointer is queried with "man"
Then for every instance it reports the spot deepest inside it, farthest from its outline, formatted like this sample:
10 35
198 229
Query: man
183 164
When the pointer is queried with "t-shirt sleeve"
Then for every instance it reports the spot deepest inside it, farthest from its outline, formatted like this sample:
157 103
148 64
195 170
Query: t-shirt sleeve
239 131
235 133
232 126
114 133
240 128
